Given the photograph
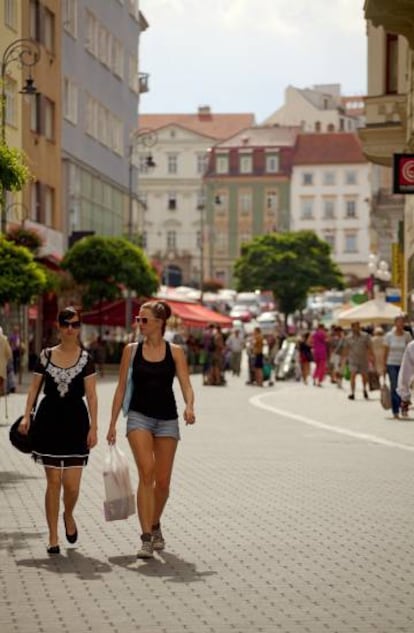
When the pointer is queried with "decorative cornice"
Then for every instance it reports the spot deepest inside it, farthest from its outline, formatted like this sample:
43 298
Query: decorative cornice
396 16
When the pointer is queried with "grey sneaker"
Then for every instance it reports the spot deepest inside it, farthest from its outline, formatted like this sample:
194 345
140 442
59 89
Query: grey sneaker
146 550
158 542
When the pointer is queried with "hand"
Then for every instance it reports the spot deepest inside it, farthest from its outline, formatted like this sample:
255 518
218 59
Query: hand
111 435
189 415
404 405
24 426
92 438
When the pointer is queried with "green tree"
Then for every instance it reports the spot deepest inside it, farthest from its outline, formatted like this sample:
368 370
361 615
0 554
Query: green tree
289 264
14 173
104 266
21 278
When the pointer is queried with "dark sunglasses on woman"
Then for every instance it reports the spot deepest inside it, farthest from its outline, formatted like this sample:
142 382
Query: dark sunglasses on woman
75 325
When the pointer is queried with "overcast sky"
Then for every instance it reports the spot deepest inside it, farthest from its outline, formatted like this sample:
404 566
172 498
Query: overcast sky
240 55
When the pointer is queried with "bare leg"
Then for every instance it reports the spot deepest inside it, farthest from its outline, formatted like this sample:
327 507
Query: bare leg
71 479
164 451
54 482
142 446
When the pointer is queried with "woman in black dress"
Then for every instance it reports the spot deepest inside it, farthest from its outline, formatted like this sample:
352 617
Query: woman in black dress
65 429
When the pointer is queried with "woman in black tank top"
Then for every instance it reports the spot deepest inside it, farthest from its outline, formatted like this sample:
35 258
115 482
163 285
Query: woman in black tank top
152 425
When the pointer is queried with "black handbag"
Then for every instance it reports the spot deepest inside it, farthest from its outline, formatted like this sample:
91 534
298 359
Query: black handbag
23 442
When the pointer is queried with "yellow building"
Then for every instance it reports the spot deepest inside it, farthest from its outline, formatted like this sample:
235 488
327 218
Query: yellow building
390 104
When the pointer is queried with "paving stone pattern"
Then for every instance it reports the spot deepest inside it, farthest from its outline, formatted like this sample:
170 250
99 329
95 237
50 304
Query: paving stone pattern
273 526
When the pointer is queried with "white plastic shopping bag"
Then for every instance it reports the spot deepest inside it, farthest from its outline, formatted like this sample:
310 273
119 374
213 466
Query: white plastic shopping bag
119 499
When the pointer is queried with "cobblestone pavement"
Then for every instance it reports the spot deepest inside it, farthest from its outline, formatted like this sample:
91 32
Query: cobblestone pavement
291 511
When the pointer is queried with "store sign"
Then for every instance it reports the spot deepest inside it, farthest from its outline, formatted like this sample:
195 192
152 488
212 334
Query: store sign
403 167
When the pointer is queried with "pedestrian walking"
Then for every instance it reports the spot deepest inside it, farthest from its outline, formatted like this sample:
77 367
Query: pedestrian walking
5 357
257 349
152 425
395 343
235 344
320 354
17 347
358 349
378 349
65 429
406 377
305 356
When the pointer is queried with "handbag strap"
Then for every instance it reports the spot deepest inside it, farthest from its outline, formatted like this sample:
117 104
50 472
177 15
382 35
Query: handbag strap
39 389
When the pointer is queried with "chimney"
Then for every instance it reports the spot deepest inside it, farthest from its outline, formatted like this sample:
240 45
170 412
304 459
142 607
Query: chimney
204 113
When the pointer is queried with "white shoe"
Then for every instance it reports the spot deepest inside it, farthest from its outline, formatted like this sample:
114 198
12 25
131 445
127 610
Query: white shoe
158 542
146 550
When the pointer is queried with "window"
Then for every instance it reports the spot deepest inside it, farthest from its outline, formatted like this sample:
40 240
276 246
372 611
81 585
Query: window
221 241
35 20
35 201
351 177
329 178
306 206
272 200
222 164
48 38
10 14
91 40
70 13
350 208
48 205
117 58
307 179
35 114
245 164
142 163
328 209
70 100
272 164
144 239
317 126
103 126
49 119
330 239
201 163
133 74
10 90
245 202
171 239
351 243
201 199
172 164
391 63
172 201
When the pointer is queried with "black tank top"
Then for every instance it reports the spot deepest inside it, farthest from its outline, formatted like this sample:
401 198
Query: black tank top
152 394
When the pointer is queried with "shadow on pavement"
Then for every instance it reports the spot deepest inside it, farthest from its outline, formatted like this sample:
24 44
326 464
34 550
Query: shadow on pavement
16 540
11 477
85 567
172 567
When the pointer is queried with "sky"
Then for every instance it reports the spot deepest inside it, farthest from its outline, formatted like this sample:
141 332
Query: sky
240 55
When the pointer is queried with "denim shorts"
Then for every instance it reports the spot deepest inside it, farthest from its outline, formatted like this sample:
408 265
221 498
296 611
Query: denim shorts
158 428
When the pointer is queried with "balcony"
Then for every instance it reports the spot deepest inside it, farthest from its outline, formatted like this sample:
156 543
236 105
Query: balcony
395 16
385 131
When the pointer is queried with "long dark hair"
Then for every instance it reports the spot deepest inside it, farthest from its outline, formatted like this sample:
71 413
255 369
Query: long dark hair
159 310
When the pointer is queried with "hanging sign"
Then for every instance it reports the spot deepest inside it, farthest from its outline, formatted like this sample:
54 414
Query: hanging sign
403 168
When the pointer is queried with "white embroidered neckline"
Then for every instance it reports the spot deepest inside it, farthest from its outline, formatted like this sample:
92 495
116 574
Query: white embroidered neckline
63 376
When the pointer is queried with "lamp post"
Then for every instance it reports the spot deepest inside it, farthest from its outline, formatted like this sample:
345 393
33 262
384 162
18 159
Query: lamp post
25 53
378 271
147 138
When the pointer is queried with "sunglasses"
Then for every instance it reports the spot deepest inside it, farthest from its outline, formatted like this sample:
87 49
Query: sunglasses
145 320
75 325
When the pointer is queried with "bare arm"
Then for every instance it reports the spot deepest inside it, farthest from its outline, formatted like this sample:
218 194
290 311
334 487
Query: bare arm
119 392
183 376
92 400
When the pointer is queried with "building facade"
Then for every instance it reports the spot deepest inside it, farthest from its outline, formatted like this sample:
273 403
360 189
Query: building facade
247 192
331 195
172 196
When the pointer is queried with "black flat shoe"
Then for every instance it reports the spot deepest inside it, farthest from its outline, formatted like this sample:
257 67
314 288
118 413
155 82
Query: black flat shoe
53 549
71 538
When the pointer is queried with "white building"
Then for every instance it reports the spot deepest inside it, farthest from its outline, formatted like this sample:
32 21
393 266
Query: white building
319 109
173 209
331 195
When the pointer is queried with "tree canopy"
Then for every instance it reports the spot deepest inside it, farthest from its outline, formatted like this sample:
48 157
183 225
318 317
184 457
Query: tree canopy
289 264
14 173
21 278
104 266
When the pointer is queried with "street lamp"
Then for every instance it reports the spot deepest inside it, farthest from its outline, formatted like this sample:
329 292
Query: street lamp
378 271
25 53
147 138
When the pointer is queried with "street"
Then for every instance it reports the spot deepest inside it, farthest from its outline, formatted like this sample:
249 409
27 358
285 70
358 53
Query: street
291 511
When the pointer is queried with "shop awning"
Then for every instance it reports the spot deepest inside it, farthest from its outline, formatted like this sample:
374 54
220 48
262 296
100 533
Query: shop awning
190 314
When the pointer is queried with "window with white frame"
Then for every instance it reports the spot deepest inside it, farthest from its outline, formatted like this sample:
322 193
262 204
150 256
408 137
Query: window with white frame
92 29
143 163
330 239
117 58
222 164
35 114
201 163
351 177
48 204
171 239
245 164
48 29
70 100
272 163
35 201
172 163
351 245
10 14
307 178
272 200
329 178
172 200
221 241
350 208
201 199
306 208
245 202
70 17
329 208
49 119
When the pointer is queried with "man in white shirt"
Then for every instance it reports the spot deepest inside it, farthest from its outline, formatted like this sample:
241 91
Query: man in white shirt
405 377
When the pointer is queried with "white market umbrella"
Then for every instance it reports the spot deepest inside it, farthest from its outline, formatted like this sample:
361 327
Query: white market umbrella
374 312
